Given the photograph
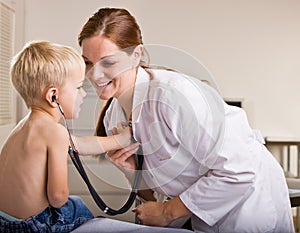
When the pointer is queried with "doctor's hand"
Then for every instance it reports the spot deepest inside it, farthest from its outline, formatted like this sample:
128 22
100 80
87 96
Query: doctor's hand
123 158
152 214
161 214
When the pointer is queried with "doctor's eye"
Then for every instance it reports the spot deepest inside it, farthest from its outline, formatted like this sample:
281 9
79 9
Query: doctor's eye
88 66
108 63
88 63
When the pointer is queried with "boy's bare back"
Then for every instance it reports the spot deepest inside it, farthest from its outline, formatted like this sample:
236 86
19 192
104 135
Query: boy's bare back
34 160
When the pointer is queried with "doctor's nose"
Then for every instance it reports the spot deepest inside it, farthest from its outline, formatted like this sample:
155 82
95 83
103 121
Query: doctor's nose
95 73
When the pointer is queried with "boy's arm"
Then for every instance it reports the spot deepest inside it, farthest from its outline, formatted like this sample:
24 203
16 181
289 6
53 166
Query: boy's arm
57 167
91 145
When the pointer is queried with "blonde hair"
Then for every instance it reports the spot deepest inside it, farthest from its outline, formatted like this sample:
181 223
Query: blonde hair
42 64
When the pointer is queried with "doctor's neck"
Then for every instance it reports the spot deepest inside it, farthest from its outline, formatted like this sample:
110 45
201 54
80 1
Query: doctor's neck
125 100
126 97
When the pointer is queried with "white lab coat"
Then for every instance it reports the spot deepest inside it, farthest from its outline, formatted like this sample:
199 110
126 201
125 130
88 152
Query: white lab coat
199 148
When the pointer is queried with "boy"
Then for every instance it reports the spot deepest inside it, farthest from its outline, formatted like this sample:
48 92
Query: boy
34 194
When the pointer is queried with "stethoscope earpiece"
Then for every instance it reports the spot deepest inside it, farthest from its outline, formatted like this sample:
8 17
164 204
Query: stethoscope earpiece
53 98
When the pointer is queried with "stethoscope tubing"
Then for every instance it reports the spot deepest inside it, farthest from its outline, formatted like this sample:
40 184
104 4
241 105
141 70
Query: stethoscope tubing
73 153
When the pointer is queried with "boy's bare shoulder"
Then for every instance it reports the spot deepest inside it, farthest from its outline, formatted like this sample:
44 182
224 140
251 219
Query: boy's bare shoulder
54 130
45 130
35 136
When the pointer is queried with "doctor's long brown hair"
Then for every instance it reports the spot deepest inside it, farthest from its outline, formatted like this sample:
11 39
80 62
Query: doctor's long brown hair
119 26
100 128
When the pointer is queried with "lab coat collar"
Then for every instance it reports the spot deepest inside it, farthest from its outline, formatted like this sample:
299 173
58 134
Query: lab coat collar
140 93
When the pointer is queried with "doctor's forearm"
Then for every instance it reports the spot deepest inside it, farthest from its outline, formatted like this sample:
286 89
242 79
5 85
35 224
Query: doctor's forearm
175 209
161 214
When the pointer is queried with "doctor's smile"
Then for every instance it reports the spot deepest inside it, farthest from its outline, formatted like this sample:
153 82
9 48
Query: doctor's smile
103 84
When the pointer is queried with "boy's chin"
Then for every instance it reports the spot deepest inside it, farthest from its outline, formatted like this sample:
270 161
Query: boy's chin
75 116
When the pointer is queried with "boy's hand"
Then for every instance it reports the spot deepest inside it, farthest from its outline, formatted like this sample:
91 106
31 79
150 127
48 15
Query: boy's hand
123 158
123 134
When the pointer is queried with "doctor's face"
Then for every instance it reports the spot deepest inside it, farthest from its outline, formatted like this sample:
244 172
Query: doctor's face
109 69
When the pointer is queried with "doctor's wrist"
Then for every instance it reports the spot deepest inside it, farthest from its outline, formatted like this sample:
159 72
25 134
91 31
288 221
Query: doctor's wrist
174 209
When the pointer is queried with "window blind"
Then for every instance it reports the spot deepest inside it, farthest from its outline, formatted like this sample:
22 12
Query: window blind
7 17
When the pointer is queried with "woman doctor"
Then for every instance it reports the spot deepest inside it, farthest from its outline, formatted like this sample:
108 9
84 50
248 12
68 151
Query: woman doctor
198 151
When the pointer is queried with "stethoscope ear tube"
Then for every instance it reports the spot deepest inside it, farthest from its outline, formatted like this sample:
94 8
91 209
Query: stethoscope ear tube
100 203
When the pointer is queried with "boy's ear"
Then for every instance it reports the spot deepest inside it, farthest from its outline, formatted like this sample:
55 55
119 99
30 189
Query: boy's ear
51 96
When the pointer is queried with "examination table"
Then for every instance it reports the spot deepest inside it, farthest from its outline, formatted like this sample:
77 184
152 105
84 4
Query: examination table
108 225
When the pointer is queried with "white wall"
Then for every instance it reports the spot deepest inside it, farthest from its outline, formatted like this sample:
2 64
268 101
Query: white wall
252 48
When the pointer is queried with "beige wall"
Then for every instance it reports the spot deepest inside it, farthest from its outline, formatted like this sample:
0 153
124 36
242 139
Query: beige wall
252 48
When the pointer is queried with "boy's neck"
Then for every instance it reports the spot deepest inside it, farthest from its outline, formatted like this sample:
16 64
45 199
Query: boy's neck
53 114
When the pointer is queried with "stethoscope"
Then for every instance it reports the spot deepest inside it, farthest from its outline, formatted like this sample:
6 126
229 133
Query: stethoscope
77 163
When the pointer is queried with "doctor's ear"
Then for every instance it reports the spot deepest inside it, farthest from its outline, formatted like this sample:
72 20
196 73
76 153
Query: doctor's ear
137 54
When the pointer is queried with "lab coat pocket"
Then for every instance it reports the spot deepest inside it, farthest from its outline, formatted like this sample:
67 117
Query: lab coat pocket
269 217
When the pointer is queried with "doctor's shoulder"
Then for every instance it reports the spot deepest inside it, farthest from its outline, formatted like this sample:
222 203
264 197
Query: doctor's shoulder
162 79
174 85
173 79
